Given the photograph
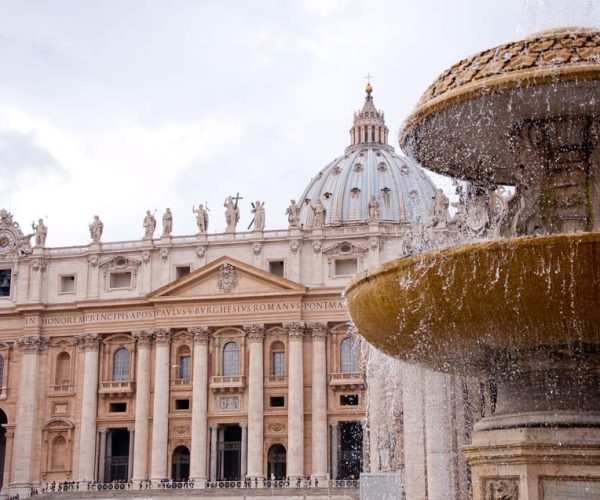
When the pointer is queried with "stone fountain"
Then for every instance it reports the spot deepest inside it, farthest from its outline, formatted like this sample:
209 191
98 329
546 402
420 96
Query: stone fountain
523 311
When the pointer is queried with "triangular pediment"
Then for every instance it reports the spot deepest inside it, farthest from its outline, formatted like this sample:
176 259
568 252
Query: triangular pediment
226 277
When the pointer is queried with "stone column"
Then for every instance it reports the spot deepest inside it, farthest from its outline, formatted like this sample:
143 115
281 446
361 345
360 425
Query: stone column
25 428
295 450
255 336
319 402
214 429
244 450
89 344
10 434
142 405
160 412
102 455
199 404
130 458
415 461
334 450
441 467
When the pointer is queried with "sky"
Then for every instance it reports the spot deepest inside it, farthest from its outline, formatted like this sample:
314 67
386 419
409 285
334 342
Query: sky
115 107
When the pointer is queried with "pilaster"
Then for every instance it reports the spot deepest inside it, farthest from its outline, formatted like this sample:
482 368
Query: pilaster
255 336
160 413
295 451
319 401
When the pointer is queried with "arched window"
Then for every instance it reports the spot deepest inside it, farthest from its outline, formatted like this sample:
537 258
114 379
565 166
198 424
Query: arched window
183 362
1 371
121 365
348 354
63 369
231 359
58 453
278 359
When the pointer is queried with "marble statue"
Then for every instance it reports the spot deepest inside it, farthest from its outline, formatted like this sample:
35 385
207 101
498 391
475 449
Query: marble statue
149 225
373 209
167 221
232 215
259 215
41 231
293 213
319 214
439 210
201 218
96 228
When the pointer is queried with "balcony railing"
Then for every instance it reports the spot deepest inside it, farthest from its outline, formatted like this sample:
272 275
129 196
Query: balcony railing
181 383
276 380
344 381
228 383
61 390
117 387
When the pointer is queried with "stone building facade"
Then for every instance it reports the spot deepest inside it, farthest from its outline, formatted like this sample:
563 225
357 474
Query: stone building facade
207 356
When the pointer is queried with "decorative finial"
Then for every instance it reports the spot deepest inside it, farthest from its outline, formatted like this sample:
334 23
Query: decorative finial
369 87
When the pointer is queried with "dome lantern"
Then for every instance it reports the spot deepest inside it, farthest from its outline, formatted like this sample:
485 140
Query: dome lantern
369 125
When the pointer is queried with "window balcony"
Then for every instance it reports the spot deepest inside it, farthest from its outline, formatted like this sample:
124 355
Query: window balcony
232 383
347 381
181 384
116 389
276 381
61 390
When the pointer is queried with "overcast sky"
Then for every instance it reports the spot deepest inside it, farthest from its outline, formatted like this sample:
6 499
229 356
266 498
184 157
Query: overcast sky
115 107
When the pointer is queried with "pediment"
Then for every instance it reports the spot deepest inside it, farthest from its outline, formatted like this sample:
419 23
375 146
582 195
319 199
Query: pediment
226 277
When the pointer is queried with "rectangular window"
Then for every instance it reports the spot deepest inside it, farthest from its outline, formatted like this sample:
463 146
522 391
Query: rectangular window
67 284
277 267
117 407
181 271
346 267
5 277
349 400
184 367
182 404
279 363
277 401
120 280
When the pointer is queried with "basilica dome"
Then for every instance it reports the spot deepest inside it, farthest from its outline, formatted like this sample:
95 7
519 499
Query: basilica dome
369 167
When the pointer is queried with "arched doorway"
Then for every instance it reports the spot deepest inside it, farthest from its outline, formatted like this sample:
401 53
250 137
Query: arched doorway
3 422
276 460
180 468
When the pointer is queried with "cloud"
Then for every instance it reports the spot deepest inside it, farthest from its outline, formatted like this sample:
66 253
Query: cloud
23 163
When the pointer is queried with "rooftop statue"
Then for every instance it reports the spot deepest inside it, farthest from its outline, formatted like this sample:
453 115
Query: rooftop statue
258 210
96 228
149 225
201 218
293 213
232 214
167 221
41 231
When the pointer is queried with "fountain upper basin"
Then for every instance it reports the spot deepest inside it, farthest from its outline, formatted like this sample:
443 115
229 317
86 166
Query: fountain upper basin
453 309
466 123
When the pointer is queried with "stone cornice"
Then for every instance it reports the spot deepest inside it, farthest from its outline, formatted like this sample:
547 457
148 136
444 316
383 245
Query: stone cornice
33 344
255 332
88 341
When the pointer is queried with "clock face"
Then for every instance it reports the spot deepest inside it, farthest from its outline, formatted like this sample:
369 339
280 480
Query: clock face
7 241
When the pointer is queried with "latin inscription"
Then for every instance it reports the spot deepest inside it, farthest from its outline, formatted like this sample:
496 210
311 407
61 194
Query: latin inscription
191 312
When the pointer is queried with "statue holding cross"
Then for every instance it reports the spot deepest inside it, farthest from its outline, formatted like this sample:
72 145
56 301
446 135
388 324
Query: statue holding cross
232 212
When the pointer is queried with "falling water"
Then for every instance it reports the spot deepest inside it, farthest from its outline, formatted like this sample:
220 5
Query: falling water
542 15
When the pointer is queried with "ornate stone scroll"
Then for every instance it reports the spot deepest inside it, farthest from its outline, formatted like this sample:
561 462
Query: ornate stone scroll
162 336
318 330
33 344
201 334
227 278
88 341
502 489
295 330
255 332
143 337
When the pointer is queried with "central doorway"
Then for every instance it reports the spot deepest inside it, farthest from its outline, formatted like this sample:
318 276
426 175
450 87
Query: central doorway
230 447
351 450
276 462
180 468
116 465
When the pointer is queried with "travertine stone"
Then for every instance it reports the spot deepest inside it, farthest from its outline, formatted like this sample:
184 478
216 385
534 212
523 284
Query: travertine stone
255 335
319 401
295 450
142 404
160 422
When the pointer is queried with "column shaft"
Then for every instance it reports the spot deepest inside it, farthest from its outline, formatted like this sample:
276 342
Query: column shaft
244 450
319 403
130 458
334 450
89 406
295 451
102 455
160 413
213 451
199 405
255 402
142 406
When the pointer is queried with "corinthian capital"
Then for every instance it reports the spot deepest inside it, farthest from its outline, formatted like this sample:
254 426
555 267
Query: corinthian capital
318 330
88 341
33 344
162 336
255 332
295 330
143 337
201 334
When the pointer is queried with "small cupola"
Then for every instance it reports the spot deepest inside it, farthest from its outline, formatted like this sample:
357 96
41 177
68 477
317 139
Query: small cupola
369 128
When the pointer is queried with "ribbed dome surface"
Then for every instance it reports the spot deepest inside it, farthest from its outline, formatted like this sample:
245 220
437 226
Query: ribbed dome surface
345 186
